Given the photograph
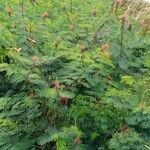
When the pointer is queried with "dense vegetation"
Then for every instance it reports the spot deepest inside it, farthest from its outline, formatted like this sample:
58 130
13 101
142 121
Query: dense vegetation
74 75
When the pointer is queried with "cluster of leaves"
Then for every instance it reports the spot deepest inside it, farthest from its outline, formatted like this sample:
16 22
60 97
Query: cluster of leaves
74 75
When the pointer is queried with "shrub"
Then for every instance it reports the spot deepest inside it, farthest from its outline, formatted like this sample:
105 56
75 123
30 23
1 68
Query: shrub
74 75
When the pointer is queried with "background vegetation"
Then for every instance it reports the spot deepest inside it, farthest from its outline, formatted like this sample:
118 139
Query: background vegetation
74 75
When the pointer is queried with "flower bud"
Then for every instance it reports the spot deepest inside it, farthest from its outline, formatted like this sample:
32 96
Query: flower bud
129 26
77 141
45 15
34 58
9 11
82 49
64 100
57 86
105 46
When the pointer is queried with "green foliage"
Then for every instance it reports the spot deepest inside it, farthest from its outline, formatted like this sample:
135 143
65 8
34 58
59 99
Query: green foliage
126 140
73 75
